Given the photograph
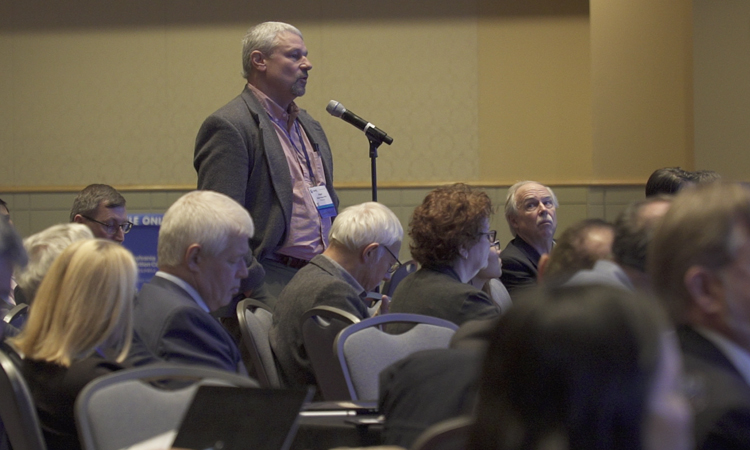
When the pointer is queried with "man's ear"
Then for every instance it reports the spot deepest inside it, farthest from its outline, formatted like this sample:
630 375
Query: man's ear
369 253
258 60
78 218
193 257
705 288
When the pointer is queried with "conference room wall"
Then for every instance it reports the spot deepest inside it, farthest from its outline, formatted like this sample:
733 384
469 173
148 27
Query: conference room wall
110 91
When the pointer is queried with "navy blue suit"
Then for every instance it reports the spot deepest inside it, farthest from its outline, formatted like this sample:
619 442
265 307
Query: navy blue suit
723 417
520 265
174 328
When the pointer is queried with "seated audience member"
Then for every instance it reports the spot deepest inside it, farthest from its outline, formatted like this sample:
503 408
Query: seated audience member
531 212
364 241
450 239
101 208
634 229
425 388
43 248
203 242
668 181
583 367
488 279
84 306
12 255
579 247
699 262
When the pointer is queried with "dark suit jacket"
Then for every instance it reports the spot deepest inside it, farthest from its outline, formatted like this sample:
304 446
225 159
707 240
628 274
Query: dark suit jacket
238 153
520 262
723 417
438 292
425 388
54 389
174 328
317 284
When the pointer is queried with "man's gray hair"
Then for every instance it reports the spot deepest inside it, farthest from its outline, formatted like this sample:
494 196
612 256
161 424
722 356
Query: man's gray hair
88 200
43 248
364 224
262 37
511 205
11 247
206 218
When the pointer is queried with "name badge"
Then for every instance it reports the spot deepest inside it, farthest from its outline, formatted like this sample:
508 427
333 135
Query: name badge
323 201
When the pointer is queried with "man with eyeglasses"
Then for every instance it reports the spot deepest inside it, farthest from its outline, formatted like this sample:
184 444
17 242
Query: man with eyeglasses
364 240
101 208
531 212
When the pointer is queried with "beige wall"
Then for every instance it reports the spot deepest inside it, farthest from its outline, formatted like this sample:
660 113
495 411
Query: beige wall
641 87
114 92
721 69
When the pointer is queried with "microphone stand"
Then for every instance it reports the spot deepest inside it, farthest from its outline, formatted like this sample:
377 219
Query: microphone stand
375 142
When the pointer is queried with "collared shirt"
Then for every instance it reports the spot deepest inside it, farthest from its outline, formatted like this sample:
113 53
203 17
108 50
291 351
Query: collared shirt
308 232
348 278
186 287
738 356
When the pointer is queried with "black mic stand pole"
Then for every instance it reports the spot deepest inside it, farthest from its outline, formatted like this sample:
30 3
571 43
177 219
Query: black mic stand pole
375 142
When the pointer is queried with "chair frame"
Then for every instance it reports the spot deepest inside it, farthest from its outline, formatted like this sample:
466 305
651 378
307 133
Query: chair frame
159 371
325 365
452 430
378 321
15 312
18 412
251 346
389 287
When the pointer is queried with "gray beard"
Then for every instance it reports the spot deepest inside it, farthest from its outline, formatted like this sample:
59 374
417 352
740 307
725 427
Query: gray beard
298 90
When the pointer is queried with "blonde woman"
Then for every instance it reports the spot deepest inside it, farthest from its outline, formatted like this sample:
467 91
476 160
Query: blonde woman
83 306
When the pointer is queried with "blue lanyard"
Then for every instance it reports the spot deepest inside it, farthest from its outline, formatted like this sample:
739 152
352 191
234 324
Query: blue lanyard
302 141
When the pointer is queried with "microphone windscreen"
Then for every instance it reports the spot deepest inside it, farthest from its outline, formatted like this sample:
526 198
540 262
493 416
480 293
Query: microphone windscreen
335 108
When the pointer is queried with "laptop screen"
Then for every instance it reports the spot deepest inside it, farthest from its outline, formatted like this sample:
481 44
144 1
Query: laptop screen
227 418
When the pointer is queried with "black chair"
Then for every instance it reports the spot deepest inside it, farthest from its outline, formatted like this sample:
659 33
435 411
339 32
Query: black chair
17 409
389 287
320 326
255 319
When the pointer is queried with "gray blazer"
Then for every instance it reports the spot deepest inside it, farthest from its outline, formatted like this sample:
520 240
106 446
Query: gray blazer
317 284
238 153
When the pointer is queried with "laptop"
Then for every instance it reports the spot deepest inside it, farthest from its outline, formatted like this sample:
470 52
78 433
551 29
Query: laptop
228 418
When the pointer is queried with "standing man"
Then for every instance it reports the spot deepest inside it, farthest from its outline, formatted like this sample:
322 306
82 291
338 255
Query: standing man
699 261
101 208
531 212
266 153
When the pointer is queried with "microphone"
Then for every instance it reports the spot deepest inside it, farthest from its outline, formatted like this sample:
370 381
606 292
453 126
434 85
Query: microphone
336 109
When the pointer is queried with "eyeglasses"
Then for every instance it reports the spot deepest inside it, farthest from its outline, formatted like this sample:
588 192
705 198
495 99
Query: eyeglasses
112 227
394 267
491 236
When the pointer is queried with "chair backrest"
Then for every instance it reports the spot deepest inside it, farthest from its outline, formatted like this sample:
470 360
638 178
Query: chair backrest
255 319
389 287
17 409
17 316
363 350
320 326
126 407
451 434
